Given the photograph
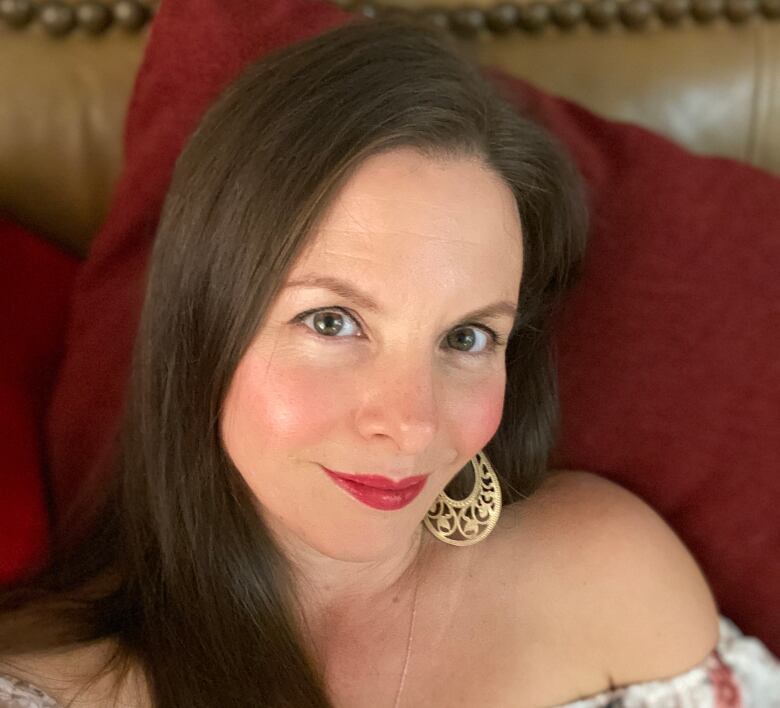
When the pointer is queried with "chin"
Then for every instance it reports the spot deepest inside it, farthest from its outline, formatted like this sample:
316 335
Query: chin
362 547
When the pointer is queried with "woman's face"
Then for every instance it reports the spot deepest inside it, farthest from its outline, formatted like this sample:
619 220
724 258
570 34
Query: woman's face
388 373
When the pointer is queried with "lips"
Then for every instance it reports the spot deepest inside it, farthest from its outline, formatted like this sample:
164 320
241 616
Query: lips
378 481
384 498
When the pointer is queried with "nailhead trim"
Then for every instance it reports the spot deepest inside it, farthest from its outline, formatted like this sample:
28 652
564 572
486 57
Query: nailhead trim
90 16
533 17
97 16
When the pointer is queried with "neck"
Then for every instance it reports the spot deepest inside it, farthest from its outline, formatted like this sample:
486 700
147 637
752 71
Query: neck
364 602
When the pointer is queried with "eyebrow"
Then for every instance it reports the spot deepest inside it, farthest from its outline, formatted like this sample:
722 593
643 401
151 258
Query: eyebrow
503 308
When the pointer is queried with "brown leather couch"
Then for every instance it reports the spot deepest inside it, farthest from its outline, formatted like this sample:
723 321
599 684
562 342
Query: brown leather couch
704 72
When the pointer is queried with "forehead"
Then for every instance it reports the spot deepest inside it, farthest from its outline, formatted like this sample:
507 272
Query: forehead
409 213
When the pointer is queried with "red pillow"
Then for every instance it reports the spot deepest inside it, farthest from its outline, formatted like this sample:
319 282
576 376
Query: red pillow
668 350
681 282
35 281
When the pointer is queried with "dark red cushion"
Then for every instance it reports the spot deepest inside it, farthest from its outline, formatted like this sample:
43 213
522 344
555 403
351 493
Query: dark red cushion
194 49
667 380
35 283
669 364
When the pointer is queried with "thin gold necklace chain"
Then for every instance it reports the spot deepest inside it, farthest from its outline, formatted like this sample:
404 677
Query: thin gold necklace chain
408 645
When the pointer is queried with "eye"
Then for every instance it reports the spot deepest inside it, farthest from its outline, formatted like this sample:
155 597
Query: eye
336 323
329 322
473 340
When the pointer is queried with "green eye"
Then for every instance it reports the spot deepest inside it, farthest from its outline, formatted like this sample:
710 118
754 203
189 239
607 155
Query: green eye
328 322
465 338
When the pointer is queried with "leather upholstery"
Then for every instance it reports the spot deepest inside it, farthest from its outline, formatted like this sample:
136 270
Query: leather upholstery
713 86
61 113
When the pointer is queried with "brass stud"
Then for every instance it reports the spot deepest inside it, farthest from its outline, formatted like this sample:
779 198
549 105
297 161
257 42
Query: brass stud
706 10
601 13
467 21
17 13
93 16
741 10
366 10
672 11
534 16
568 13
130 15
635 14
57 18
501 18
436 18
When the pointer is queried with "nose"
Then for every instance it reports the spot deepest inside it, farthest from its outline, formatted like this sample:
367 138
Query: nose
399 404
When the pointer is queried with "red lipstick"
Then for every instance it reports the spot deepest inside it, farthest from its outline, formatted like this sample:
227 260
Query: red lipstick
379 492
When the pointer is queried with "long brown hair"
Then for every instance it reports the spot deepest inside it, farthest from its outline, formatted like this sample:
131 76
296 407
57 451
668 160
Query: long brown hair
191 585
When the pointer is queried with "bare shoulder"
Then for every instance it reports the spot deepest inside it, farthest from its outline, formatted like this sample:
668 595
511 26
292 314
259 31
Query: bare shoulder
619 578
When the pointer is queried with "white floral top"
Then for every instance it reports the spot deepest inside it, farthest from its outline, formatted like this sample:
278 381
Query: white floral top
739 673
19 694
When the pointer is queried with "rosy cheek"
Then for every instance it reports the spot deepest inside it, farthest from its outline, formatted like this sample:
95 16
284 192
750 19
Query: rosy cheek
278 406
479 418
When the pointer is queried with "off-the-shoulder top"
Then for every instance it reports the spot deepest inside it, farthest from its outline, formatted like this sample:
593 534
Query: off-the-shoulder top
739 673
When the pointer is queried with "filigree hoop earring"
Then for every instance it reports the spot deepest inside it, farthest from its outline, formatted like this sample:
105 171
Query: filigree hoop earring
474 517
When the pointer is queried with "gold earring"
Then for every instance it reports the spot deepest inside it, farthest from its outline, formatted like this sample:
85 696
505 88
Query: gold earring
482 507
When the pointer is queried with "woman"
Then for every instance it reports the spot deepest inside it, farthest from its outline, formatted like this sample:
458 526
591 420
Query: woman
346 331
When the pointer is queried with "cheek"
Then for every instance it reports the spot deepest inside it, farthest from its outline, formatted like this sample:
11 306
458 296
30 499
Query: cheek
477 417
276 406
282 407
